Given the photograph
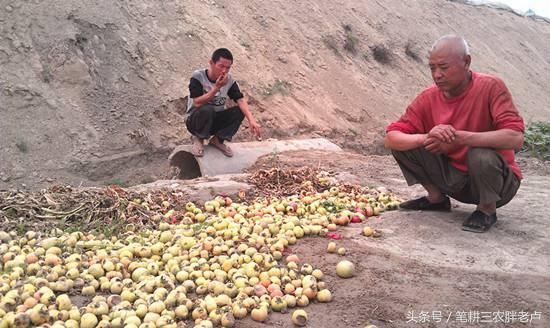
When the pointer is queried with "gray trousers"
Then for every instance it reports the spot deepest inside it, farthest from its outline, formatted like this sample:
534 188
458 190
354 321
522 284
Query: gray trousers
489 178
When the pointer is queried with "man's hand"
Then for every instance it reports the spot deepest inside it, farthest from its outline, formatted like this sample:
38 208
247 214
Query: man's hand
435 146
443 132
222 80
255 128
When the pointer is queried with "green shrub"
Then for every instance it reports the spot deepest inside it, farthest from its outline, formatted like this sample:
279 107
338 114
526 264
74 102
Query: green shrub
537 140
350 44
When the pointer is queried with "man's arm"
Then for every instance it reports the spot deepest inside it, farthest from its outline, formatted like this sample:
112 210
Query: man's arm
254 126
398 140
195 85
499 139
409 131
205 98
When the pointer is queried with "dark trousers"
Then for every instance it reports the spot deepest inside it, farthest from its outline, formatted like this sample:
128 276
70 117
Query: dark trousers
489 178
204 122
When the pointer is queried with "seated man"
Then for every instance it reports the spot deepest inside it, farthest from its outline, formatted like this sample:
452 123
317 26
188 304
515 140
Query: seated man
206 113
457 138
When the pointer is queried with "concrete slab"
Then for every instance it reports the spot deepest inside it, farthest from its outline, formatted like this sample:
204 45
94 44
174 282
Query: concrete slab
245 155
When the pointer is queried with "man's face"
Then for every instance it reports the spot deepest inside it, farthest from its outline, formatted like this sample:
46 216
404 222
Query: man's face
449 70
222 66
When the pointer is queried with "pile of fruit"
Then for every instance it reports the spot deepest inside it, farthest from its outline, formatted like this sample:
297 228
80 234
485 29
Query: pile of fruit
201 266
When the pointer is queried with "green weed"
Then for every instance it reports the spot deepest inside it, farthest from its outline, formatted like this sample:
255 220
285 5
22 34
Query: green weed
537 140
22 146
116 182
350 43
278 87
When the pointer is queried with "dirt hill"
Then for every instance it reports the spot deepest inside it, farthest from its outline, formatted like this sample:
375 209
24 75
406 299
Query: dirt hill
90 91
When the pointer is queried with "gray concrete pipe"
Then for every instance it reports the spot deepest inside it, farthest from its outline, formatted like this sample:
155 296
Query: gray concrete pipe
245 155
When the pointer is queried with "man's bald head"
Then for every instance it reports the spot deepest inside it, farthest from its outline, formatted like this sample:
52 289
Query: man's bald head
450 64
452 44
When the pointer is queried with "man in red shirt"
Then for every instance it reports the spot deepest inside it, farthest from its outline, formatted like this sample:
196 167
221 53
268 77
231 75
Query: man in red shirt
457 138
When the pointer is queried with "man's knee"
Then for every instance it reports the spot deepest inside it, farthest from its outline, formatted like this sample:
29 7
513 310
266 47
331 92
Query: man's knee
412 154
237 113
240 116
203 112
481 160
396 153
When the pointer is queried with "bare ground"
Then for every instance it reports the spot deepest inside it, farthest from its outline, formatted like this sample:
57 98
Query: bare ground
424 262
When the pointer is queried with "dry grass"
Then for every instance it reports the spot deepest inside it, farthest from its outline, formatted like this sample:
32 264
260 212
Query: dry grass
104 210
410 51
330 43
22 146
381 54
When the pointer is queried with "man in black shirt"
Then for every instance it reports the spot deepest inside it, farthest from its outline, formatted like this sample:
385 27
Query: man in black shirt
206 113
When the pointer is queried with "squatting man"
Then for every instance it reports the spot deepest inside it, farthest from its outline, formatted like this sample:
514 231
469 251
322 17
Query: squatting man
207 116
457 138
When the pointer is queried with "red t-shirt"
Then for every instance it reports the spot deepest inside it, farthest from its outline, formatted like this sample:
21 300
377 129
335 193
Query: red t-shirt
485 105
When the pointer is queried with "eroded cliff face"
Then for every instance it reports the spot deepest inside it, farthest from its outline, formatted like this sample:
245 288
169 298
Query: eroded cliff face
90 92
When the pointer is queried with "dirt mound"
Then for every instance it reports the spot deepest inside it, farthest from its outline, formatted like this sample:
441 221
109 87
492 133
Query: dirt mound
91 89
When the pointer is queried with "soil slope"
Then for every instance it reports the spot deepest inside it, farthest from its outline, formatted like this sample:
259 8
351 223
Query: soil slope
90 91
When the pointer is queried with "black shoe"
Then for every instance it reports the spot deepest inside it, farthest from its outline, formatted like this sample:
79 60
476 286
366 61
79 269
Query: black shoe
423 204
479 222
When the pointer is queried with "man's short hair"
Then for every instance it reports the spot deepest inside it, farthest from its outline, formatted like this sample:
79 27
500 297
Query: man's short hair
461 48
222 53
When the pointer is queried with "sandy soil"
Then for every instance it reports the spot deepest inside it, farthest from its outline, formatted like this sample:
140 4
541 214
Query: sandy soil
425 262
